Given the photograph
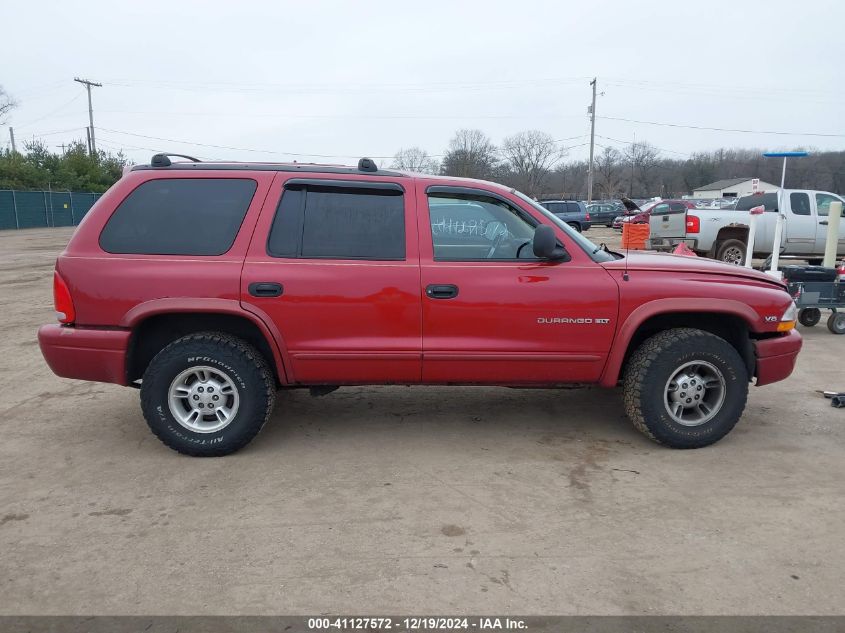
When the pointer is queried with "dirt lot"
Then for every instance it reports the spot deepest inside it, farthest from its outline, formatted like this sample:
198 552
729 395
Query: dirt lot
409 500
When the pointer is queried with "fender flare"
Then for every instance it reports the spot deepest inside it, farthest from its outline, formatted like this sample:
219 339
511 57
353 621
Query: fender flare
625 333
182 305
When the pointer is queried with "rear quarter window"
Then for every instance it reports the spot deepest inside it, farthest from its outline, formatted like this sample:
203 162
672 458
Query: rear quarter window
179 216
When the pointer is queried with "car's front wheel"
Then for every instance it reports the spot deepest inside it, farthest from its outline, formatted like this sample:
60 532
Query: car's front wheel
207 394
685 388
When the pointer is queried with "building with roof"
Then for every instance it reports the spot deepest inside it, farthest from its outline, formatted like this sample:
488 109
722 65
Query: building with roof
733 188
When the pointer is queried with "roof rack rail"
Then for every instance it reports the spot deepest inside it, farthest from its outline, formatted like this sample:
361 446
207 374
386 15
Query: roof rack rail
367 164
163 160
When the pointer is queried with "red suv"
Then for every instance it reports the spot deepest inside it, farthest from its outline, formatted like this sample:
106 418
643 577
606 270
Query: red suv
211 286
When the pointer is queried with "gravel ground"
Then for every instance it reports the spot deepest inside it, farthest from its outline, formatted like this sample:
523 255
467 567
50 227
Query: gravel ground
410 500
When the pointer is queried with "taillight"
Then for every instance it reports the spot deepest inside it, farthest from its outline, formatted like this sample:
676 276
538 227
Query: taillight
693 224
588 217
62 300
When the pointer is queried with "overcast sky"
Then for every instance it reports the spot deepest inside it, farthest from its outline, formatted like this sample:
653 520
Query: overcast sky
332 81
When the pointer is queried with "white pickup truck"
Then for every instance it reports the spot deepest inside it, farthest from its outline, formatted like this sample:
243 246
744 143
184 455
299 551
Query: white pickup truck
723 234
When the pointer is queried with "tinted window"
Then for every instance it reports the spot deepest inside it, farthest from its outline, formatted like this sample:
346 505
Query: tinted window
770 200
555 207
677 207
573 207
800 203
179 216
339 223
469 228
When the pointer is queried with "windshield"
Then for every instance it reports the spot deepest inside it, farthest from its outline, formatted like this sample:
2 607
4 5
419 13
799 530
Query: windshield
595 252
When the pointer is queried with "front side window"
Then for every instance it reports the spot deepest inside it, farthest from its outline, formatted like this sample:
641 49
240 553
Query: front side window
476 227
823 201
338 222
179 216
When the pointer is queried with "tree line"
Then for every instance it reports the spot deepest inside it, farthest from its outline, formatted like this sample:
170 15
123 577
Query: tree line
534 163
72 170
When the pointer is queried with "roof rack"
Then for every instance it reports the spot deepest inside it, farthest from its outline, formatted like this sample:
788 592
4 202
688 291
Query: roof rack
163 160
366 165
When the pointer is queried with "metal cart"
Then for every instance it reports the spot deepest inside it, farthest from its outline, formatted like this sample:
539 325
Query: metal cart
813 296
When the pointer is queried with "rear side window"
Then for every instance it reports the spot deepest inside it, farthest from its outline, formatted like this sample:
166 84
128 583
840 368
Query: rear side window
573 207
179 216
768 200
327 222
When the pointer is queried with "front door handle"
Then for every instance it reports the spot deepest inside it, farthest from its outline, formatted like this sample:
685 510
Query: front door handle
823 222
265 289
441 291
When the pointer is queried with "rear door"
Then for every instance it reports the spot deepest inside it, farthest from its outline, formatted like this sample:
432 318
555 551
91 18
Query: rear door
801 223
823 202
333 265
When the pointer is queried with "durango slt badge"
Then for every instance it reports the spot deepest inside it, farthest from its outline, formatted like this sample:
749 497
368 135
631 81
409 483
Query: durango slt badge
571 321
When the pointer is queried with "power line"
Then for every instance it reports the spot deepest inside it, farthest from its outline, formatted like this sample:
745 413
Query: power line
57 110
722 129
277 152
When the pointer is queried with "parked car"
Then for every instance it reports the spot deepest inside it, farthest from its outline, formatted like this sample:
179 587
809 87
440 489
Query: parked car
572 212
647 210
210 286
723 234
604 212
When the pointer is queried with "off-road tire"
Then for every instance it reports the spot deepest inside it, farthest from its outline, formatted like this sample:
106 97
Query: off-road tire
240 361
808 317
729 246
653 363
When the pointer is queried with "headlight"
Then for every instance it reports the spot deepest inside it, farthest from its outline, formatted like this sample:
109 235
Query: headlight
787 321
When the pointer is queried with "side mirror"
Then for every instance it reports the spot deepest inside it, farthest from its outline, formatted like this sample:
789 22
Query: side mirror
545 244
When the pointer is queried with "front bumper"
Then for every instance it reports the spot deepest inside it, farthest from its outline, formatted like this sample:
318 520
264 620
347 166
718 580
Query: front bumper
776 357
85 353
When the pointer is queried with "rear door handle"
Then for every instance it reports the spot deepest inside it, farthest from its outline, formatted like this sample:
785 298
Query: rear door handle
265 289
824 222
441 291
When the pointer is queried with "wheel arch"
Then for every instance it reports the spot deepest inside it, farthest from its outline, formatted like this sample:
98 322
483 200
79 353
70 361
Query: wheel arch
731 320
155 324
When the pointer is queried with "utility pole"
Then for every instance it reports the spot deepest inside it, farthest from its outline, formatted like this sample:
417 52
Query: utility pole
592 143
12 136
88 85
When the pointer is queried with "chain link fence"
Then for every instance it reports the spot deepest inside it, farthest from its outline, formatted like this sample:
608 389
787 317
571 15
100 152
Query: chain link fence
41 209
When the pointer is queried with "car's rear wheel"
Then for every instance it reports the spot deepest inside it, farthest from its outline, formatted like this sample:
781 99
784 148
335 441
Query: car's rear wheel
685 388
575 226
207 394
732 252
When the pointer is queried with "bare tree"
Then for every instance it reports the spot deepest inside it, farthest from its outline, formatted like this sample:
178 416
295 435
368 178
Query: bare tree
415 159
7 104
531 155
609 170
471 155
642 161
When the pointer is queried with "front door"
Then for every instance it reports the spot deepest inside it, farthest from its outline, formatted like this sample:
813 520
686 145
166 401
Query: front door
334 265
823 201
801 225
492 312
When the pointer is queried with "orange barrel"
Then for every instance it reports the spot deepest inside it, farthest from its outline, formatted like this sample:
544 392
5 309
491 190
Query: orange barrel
635 235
